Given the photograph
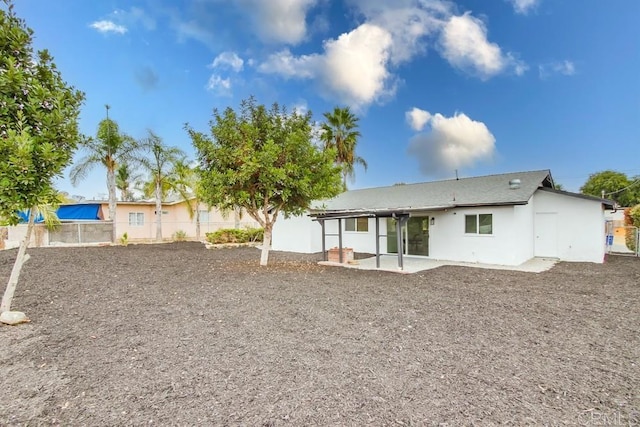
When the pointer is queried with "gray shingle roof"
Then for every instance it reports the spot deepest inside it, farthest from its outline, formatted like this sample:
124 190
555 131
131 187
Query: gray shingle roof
478 191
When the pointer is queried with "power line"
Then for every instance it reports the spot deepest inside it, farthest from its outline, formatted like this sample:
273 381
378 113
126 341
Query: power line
637 181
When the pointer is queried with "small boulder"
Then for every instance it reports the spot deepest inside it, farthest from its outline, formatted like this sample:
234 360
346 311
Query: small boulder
13 317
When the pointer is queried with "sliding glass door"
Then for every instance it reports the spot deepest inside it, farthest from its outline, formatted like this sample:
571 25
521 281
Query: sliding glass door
415 236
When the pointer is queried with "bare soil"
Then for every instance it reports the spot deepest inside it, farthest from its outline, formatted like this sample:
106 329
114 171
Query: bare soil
176 334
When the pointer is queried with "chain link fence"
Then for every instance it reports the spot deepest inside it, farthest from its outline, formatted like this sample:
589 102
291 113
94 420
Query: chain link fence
97 232
621 239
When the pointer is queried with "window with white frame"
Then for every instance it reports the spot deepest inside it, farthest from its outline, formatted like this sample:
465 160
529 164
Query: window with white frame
136 219
478 224
204 215
356 224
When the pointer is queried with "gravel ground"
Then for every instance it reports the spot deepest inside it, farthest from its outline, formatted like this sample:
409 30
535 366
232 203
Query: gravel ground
176 334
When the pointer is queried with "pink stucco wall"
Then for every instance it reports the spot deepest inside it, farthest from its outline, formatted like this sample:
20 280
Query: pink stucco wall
175 217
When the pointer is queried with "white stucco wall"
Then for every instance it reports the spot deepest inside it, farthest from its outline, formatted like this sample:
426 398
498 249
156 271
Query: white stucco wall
580 235
302 234
448 240
297 234
523 240
15 235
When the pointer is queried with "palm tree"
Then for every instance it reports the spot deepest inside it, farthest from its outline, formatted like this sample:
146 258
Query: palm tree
125 177
109 149
185 184
160 166
340 133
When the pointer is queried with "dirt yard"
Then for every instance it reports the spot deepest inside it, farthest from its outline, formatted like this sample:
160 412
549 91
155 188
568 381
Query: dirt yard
176 334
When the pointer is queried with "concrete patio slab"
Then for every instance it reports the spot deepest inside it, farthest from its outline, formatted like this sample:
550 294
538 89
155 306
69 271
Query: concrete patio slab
412 264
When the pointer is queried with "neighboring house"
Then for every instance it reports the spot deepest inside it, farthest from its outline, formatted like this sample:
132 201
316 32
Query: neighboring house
89 222
502 219
138 219
81 223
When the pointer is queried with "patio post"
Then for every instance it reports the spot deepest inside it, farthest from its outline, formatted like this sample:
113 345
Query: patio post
324 238
399 223
377 242
340 240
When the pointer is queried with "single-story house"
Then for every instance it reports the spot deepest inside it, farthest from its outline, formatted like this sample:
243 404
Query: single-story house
138 219
89 222
503 219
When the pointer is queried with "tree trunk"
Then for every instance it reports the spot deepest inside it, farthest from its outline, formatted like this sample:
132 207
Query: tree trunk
198 220
266 244
111 186
158 213
236 217
21 258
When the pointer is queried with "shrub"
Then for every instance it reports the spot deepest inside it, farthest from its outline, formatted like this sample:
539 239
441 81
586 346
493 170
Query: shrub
631 219
180 236
235 235
255 234
124 240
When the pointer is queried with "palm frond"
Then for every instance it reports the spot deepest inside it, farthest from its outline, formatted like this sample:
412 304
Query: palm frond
83 166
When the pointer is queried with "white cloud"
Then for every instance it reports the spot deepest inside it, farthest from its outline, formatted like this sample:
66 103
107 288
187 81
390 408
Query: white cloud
300 108
279 21
417 118
565 68
133 16
519 67
287 65
409 22
105 26
355 65
219 85
524 6
352 67
453 143
357 68
465 45
228 60
186 30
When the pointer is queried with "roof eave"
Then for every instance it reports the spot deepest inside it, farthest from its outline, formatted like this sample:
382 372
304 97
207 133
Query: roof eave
387 212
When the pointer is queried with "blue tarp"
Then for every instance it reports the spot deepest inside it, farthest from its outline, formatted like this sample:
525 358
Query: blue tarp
24 216
84 211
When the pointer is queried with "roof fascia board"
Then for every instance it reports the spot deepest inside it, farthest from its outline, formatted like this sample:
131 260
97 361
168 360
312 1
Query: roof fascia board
605 202
347 213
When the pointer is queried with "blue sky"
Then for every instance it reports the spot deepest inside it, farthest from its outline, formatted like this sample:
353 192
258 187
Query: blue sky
479 86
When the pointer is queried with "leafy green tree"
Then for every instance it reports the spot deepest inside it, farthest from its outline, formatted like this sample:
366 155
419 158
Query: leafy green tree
160 166
38 129
340 132
615 185
263 160
110 149
126 176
